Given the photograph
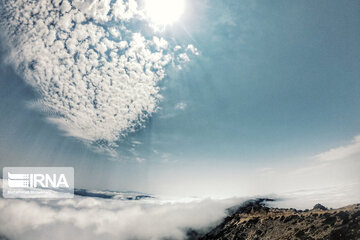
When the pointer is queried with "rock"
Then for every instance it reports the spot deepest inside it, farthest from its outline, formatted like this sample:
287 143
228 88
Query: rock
253 221
319 207
330 220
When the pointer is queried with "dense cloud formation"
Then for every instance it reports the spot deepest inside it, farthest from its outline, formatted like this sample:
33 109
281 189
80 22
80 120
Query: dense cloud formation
146 219
95 218
95 72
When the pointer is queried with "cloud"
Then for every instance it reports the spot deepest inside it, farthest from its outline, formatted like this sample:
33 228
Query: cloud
95 72
333 196
180 106
336 166
139 159
330 177
183 57
341 152
95 218
192 49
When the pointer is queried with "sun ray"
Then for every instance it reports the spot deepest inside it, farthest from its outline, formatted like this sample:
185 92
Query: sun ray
164 12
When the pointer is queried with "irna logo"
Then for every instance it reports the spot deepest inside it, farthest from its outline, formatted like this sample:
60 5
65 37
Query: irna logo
16 180
38 182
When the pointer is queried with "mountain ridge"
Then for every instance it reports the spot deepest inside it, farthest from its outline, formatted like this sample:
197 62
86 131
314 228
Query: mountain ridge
253 220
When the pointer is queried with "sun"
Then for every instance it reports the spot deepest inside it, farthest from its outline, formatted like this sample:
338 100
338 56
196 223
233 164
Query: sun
164 12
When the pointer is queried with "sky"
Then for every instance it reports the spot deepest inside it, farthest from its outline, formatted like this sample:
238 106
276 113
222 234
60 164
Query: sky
235 98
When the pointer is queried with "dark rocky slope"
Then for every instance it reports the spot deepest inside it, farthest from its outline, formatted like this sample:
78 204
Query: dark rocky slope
254 220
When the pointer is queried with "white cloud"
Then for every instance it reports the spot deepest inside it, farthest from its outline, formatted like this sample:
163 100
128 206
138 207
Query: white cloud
192 49
341 152
338 166
180 106
334 197
160 43
139 159
177 48
95 218
101 82
331 178
183 57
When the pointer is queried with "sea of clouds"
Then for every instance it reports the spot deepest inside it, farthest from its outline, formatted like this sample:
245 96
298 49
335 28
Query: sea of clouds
96 218
156 218
95 71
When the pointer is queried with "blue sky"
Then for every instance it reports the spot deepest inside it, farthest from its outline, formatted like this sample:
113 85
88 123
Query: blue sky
275 84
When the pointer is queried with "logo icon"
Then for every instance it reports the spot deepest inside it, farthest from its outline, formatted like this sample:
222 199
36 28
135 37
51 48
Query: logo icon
53 182
18 180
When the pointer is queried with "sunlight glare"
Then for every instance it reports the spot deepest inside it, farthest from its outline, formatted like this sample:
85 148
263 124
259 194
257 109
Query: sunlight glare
164 12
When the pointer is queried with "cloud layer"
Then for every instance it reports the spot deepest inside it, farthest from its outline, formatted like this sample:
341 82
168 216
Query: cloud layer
95 218
95 72
342 152
147 219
